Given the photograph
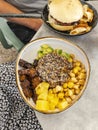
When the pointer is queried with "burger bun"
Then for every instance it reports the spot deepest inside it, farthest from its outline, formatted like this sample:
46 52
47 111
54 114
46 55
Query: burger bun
57 26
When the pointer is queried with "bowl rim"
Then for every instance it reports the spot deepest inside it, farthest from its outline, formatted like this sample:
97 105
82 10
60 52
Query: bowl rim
19 86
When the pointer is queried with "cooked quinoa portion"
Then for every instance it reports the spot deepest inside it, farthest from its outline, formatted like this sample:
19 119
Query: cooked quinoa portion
54 69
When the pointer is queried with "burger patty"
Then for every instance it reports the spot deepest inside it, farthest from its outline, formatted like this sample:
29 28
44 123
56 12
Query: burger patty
64 24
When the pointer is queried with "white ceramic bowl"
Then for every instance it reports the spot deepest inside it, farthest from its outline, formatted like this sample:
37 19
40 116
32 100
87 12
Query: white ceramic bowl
29 53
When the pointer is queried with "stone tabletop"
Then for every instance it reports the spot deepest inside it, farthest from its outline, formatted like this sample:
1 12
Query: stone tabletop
83 115
7 55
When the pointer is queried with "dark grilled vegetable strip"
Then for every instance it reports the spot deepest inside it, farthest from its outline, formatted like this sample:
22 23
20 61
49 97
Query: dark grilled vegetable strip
30 72
25 64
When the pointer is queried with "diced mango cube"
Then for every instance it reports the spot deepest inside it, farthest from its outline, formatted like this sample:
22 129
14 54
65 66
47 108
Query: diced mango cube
42 105
43 96
51 106
44 85
41 88
62 104
53 99
50 97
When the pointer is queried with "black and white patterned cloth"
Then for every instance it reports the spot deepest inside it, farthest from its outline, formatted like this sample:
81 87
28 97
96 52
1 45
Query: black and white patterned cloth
14 113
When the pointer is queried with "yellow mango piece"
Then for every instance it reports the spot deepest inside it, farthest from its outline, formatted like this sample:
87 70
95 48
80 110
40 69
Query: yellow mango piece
51 106
44 85
62 104
42 105
50 91
41 88
53 99
43 96
50 97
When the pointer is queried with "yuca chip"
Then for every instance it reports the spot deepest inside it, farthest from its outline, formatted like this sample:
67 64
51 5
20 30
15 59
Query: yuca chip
82 24
86 8
88 14
79 30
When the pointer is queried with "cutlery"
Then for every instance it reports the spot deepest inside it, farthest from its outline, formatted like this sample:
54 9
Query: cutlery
26 15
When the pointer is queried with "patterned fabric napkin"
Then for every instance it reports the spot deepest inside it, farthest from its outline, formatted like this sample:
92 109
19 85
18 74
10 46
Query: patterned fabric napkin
14 113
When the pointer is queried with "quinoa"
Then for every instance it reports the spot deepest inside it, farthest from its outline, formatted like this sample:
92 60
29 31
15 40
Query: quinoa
54 69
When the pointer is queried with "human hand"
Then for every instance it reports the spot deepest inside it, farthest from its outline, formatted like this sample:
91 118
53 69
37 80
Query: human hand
34 23
38 23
